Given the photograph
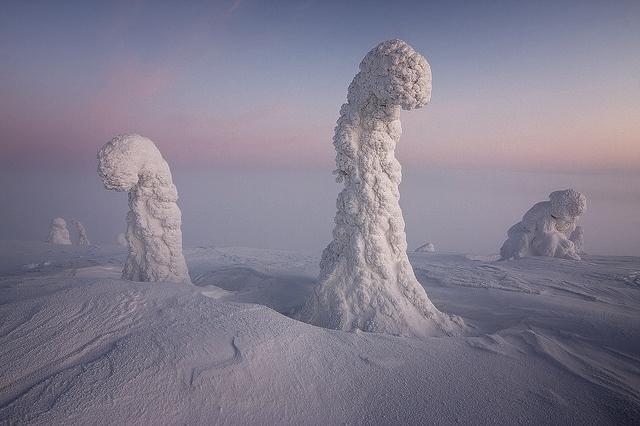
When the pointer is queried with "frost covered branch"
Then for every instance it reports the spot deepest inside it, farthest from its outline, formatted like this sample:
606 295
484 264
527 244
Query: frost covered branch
366 281
132 163
548 228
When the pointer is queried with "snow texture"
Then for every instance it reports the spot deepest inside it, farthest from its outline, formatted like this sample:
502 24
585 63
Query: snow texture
58 232
426 248
83 240
122 239
577 236
548 229
366 281
554 342
132 163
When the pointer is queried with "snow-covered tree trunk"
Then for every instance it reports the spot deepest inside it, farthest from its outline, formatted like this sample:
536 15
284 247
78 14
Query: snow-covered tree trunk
366 280
133 163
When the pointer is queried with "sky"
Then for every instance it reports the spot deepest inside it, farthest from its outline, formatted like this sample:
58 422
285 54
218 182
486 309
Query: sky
242 96
550 86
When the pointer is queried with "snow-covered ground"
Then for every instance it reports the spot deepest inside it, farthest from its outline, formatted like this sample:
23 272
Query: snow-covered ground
552 341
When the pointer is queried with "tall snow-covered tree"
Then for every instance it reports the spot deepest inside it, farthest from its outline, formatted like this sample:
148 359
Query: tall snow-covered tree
366 281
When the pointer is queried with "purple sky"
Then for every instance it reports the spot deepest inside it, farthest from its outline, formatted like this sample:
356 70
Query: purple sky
546 86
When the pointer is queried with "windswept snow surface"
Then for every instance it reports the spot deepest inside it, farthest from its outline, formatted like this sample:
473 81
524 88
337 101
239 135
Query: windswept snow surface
551 341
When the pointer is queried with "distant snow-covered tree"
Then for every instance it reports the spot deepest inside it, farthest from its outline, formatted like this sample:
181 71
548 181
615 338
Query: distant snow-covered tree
426 248
83 240
58 232
548 228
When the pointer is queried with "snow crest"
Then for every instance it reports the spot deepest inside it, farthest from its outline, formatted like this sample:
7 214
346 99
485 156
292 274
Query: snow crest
132 163
366 281
548 228
58 232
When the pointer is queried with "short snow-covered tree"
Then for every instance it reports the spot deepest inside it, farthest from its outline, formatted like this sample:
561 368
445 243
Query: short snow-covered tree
548 228
58 232
122 239
83 240
132 163
366 280
426 248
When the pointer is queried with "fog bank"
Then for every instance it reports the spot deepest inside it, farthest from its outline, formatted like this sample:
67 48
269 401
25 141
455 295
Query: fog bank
467 211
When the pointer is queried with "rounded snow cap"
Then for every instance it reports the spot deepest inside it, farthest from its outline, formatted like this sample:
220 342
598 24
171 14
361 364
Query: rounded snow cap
125 157
567 203
394 72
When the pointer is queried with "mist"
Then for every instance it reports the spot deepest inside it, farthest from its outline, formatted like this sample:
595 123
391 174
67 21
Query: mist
458 210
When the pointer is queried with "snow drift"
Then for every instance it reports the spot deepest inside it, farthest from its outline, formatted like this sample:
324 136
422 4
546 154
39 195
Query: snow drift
58 232
555 343
366 281
548 228
132 163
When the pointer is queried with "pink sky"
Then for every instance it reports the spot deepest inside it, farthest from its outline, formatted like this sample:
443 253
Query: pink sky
240 85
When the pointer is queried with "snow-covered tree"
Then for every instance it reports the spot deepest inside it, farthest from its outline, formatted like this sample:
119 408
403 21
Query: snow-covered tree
426 248
122 239
58 232
132 163
366 281
548 228
83 240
